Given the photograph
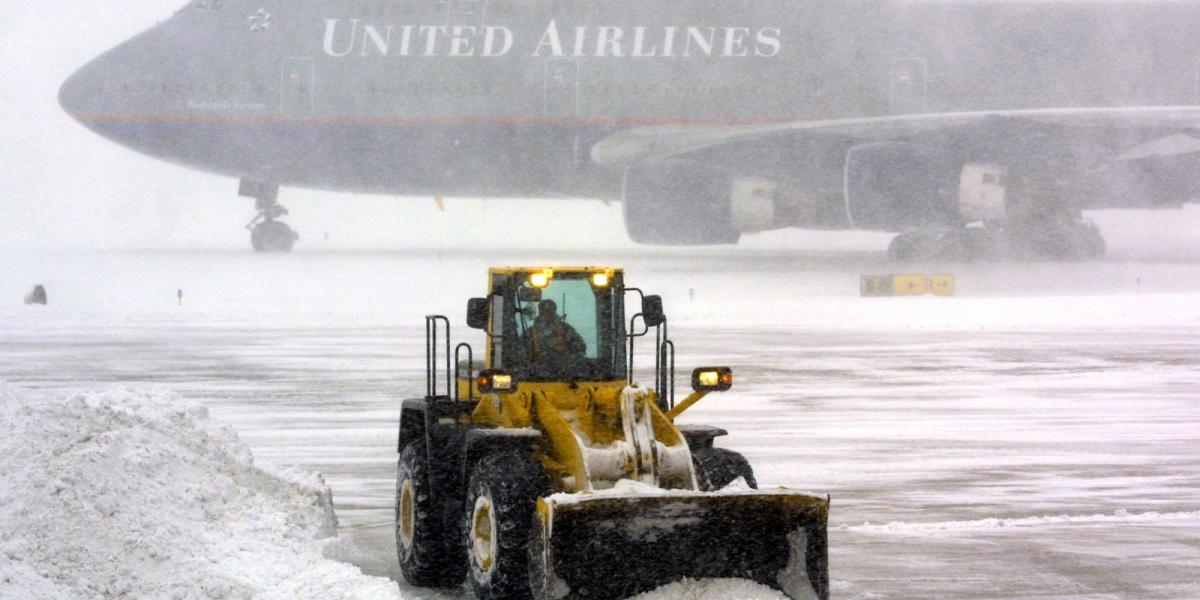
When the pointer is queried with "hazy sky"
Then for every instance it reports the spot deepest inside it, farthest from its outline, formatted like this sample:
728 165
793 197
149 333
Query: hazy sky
65 186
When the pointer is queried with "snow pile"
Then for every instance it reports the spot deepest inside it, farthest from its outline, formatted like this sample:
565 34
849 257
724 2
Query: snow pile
135 495
712 589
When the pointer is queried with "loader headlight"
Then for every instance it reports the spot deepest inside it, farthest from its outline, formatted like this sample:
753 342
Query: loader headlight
712 379
601 280
540 279
495 381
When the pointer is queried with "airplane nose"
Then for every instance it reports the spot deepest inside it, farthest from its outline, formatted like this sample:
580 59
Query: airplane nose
80 94
124 92
101 92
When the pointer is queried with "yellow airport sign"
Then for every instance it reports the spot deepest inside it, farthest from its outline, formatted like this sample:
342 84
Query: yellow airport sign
907 285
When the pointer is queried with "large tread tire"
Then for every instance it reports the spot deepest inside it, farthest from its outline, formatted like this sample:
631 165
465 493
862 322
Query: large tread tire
508 485
431 556
719 467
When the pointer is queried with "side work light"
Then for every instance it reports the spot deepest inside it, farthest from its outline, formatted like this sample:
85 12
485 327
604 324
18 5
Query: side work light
712 379
495 381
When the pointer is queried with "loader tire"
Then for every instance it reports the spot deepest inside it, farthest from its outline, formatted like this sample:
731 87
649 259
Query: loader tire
500 504
718 467
430 555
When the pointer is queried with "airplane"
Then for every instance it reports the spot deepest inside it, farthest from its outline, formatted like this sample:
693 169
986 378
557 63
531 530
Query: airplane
970 129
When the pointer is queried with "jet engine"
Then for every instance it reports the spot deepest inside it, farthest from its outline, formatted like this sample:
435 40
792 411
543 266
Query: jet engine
685 202
677 202
893 186
884 186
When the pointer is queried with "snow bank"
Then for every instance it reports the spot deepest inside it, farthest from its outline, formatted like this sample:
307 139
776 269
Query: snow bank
140 495
712 589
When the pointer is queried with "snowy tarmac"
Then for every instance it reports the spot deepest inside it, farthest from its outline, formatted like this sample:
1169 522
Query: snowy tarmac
1037 436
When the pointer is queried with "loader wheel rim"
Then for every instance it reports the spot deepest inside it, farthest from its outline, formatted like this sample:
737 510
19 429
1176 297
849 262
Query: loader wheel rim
483 535
408 515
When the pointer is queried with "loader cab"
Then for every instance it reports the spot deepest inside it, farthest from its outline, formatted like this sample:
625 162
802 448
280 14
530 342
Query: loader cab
554 325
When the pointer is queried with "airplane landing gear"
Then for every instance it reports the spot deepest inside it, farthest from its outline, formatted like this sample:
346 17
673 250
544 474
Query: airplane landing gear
267 233
1060 239
1065 239
929 245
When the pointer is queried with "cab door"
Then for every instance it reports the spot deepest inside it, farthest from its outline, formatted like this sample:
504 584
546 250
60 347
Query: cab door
560 90
908 85
299 78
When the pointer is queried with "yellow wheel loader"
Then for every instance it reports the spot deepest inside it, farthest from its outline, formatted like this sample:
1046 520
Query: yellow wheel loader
547 472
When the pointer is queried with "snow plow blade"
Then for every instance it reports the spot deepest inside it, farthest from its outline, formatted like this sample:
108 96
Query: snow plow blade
611 547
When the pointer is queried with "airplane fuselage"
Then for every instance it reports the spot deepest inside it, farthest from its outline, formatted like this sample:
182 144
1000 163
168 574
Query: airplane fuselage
507 98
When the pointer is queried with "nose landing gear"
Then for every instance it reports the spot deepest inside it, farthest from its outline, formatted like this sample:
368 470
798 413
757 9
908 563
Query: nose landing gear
267 233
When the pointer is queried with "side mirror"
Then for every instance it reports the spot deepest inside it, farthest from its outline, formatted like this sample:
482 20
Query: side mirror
712 379
477 313
652 311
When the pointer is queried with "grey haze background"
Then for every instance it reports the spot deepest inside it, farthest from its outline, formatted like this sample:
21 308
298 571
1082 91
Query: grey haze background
64 186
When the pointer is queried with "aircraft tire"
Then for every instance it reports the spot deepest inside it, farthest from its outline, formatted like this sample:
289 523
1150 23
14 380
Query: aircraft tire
915 246
273 236
1078 240
1088 243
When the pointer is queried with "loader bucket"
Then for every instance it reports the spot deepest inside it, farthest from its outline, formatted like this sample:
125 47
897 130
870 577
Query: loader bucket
605 547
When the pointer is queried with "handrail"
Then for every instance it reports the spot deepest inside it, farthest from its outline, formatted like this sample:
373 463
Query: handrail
458 371
431 354
666 384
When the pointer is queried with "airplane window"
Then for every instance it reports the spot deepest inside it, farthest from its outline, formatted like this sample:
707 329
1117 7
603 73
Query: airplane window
208 4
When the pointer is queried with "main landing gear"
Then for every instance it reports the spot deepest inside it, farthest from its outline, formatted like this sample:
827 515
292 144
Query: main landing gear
1060 239
267 233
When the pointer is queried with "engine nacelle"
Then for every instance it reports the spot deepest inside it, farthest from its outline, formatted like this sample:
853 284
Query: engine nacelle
893 186
982 192
684 202
679 203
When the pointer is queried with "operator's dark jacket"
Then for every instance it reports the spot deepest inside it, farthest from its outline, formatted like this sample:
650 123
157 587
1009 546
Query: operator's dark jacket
554 342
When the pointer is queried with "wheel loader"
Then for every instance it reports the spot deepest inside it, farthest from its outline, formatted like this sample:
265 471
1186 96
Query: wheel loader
548 472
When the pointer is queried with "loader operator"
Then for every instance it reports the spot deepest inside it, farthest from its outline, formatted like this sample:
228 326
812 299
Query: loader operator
554 348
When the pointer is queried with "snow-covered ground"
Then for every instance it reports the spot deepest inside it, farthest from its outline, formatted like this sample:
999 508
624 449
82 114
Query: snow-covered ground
1036 436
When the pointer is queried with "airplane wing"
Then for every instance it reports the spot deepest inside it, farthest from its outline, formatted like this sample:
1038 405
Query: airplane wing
1137 126
710 184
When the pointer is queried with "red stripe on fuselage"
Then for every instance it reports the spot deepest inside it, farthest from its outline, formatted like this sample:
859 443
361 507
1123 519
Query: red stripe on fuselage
344 120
